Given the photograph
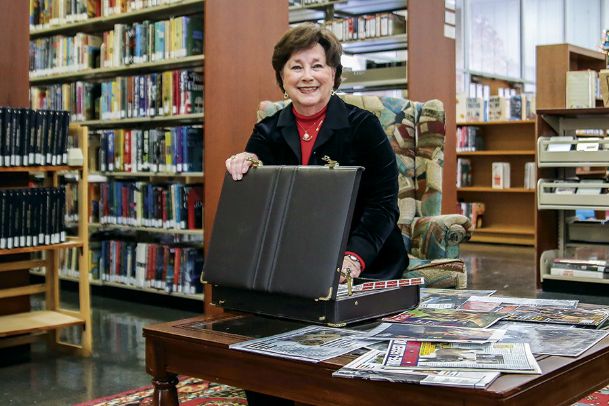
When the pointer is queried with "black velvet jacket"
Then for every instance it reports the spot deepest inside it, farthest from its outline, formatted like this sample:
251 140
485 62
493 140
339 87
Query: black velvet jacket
353 137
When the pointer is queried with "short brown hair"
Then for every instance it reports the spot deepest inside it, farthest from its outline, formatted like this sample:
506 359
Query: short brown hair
304 36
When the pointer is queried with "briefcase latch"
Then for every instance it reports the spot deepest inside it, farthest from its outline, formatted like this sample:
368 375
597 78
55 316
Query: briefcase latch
330 162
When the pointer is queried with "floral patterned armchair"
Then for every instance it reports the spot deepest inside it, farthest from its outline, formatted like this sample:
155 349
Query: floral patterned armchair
416 132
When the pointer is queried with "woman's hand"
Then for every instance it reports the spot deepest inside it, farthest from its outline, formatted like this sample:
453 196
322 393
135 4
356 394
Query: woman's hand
350 266
238 165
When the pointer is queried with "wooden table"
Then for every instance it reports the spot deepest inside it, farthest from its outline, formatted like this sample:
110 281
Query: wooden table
198 347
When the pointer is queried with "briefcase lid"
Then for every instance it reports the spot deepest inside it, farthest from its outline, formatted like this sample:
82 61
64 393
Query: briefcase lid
283 230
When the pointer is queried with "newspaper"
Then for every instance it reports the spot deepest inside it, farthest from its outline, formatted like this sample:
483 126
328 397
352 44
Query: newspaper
557 315
505 304
455 292
446 317
503 357
311 343
551 340
387 331
435 301
370 366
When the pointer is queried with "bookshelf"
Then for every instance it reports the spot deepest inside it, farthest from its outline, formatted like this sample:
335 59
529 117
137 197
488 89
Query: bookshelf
221 46
421 75
26 326
509 213
554 236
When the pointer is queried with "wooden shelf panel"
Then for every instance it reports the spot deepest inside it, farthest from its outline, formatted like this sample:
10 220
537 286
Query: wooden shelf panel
56 168
497 152
36 321
196 118
25 250
507 229
99 24
18 265
574 112
111 72
491 123
490 189
23 291
198 175
98 282
503 239
97 226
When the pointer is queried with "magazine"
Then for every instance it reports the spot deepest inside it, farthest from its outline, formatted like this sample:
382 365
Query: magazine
559 315
370 366
551 340
504 357
446 317
311 343
387 331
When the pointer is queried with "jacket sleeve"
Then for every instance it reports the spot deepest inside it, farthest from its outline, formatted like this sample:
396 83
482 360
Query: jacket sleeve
260 144
377 197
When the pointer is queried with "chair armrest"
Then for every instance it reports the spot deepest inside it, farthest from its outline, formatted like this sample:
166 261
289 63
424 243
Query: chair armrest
438 237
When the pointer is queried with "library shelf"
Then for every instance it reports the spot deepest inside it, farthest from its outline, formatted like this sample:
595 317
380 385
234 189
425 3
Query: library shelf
195 118
99 176
506 229
491 123
391 77
37 321
41 168
97 282
102 227
99 24
378 44
497 152
193 61
495 190
71 243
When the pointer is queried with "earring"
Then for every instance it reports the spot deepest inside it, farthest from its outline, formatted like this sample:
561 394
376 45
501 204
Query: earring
332 93
285 95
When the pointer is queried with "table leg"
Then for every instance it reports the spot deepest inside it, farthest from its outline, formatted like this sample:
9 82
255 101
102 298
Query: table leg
165 391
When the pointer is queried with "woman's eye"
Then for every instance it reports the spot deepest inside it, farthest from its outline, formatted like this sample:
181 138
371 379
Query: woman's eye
318 66
296 67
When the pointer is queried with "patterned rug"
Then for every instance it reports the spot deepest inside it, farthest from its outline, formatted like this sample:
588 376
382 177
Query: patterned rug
197 392
191 392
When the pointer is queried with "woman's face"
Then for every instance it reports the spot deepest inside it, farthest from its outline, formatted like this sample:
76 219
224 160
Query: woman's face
308 80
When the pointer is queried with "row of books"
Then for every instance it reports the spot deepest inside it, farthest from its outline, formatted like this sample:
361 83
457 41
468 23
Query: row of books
175 150
583 88
148 265
144 204
586 268
125 45
33 137
469 138
500 174
156 94
495 108
32 217
366 26
474 211
45 13
63 54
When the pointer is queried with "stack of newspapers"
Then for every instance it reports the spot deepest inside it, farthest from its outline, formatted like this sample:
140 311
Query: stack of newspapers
460 338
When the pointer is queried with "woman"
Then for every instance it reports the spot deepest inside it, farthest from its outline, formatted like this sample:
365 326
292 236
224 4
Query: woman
317 123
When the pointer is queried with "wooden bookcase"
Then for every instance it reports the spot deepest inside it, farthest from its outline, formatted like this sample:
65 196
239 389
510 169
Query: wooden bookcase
24 327
553 63
509 213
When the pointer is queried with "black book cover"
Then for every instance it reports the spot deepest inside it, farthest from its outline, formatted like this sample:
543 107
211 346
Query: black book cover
48 215
44 133
9 156
65 129
3 218
55 141
26 119
16 141
33 133
10 218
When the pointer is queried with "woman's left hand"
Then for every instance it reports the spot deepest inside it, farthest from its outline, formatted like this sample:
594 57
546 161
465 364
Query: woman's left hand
350 266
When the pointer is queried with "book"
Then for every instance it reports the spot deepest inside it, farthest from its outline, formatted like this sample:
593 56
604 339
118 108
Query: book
581 89
387 331
446 317
500 175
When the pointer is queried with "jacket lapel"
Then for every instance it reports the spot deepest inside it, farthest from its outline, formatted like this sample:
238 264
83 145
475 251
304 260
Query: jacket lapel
336 118
289 132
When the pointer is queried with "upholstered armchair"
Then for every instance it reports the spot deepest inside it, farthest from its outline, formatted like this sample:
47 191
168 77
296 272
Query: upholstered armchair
416 132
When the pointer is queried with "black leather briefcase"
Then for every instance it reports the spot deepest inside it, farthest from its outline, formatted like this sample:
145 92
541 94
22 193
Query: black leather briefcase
278 243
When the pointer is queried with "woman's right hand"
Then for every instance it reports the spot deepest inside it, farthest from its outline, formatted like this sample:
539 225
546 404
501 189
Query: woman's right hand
238 165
